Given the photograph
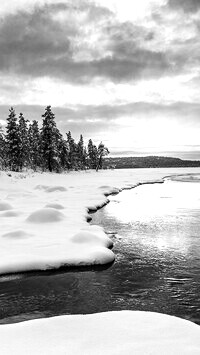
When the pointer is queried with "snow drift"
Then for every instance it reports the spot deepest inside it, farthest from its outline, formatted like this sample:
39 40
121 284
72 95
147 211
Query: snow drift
110 333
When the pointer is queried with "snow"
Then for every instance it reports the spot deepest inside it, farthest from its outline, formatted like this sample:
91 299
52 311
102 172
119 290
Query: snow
16 234
44 216
55 205
110 333
4 206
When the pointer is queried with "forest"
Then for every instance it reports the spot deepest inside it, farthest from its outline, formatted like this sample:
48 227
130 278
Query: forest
149 162
25 145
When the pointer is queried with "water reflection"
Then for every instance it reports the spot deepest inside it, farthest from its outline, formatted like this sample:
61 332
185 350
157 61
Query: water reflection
160 241
164 217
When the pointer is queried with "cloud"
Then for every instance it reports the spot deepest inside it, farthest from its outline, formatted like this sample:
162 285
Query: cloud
43 42
29 39
176 33
190 6
107 115
77 44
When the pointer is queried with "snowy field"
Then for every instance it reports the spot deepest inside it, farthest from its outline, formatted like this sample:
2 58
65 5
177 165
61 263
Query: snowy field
44 216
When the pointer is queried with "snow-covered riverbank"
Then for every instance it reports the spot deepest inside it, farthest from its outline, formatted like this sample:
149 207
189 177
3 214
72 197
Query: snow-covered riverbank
43 216
110 333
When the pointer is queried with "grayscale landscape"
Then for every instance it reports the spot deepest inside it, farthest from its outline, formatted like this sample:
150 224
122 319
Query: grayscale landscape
99 177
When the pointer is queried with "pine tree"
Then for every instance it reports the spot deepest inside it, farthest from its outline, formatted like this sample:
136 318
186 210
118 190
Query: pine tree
3 150
61 150
63 154
81 153
34 145
23 142
12 140
101 151
50 137
92 155
24 145
72 152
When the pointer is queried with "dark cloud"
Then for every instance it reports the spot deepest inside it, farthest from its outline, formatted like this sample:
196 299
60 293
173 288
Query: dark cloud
29 39
185 5
126 42
142 63
103 115
37 44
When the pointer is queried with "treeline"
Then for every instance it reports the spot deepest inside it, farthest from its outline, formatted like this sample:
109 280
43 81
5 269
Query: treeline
25 145
148 162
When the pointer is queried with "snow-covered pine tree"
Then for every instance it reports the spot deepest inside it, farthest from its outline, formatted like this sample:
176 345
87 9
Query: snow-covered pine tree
3 149
34 145
72 152
81 153
23 142
61 150
50 137
12 140
92 155
63 154
102 151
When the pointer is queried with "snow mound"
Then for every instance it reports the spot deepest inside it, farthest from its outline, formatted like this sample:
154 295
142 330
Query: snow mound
56 189
16 234
95 255
41 187
108 190
85 237
57 206
4 206
110 333
10 214
48 188
46 215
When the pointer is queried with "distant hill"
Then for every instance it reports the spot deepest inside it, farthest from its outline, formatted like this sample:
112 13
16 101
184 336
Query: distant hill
148 162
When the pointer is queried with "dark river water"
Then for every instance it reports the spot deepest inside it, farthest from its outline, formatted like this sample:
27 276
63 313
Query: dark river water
156 234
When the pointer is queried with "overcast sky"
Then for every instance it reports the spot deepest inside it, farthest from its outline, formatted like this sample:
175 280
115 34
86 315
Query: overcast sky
123 71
